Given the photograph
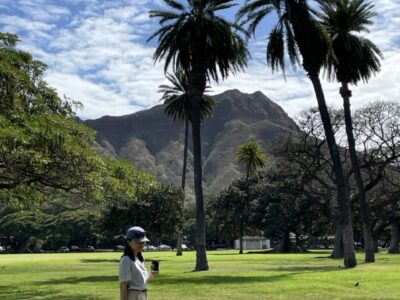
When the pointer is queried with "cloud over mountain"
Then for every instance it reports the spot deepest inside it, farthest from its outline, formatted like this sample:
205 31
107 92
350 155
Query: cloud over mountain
97 54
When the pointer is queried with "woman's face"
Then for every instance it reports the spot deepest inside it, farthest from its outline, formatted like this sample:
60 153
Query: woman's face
135 246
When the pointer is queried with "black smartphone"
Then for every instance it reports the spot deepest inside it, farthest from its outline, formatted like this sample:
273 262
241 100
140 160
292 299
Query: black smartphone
155 265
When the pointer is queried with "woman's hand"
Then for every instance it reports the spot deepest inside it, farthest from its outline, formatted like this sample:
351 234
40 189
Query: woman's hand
153 274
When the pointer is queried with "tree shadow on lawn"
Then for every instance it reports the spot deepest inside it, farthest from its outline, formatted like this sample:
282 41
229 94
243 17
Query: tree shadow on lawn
222 279
304 268
32 292
90 261
327 252
75 280
214 253
114 261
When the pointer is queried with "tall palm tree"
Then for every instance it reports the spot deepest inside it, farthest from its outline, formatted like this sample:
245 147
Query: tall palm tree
298 33
354 58
193 38
177 105
252 156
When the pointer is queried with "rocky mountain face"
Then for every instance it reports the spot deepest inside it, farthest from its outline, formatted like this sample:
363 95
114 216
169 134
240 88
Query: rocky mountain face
152 141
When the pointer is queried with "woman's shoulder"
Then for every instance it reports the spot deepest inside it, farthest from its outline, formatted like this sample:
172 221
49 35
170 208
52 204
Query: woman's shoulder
125 259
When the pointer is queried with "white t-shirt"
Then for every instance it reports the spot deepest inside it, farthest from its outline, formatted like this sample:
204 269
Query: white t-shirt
134 272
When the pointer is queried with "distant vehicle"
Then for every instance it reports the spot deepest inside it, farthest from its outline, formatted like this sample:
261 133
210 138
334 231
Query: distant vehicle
164 247
185 248
2 250
150 248
89 249
119 248
63 249
74 249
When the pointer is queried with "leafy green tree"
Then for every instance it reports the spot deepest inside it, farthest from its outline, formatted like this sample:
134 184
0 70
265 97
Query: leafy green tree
177 105
120 180
230 211
157 209
77 227
354 58
23 226
300 35
195 39
284 207
42 143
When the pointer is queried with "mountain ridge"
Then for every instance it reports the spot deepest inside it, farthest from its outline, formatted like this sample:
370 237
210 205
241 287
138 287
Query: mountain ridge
152 141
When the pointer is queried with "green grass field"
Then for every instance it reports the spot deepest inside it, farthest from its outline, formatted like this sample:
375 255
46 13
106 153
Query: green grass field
231 276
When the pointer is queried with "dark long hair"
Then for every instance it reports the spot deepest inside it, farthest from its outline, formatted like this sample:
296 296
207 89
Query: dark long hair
128 252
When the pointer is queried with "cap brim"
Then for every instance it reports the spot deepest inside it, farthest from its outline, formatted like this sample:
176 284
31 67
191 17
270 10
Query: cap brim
142 240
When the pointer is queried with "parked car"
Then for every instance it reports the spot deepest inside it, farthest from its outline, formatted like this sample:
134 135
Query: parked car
185 248
75 249
89 249
63 249
164 247
119 248
150 248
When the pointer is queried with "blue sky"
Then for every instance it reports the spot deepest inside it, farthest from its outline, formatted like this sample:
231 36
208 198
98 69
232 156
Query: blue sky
97 54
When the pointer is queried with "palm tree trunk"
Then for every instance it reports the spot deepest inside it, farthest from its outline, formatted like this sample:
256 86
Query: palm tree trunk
197 84
185 154
362 197
345 219
185 150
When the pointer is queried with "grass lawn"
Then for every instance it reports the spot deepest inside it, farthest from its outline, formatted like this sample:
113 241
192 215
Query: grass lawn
231 276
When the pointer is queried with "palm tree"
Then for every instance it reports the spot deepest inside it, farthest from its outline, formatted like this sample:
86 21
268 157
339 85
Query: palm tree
177 105
252 156
298 33
193 38
354 58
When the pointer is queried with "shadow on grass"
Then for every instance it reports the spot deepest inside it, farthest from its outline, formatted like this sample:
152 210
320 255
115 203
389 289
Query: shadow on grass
75 280
270 251
305 268
111 261
32 292
216 253
93 261
223 279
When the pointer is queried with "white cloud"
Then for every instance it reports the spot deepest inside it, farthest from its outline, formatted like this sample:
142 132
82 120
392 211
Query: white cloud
22 24
98 100
97 54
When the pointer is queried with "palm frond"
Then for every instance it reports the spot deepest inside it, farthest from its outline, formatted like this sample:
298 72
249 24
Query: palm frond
354 58
174 4
275 49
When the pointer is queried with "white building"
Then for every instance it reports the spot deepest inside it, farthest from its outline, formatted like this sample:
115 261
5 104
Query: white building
253 242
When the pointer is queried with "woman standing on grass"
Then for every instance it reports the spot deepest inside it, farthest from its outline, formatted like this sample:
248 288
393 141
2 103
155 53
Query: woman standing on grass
133 275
